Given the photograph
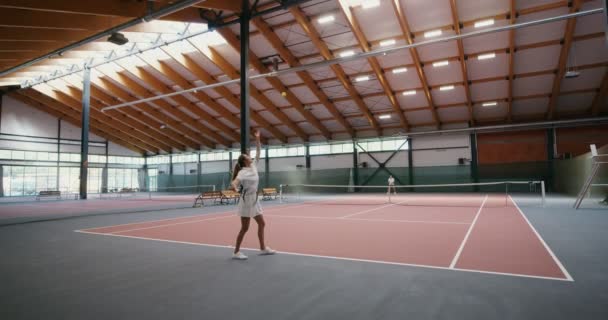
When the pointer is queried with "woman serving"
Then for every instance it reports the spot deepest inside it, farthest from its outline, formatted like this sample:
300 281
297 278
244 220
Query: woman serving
246 179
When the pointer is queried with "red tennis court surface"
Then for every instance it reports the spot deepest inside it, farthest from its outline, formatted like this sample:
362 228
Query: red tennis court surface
482 238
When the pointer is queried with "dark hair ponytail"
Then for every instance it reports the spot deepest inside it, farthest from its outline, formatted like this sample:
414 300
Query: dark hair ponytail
240 164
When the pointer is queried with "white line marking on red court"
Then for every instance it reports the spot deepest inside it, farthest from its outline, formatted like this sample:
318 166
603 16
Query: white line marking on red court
369 210
197 216
334 257
466 237
365 219
559 264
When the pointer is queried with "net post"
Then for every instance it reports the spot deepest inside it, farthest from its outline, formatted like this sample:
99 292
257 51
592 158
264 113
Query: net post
149 193
213 189
542 193
280 193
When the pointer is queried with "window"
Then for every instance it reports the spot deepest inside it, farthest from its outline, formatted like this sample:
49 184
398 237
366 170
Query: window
18 155
5 154
42 156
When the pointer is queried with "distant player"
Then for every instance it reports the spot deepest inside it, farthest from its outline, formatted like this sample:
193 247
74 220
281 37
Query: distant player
391 185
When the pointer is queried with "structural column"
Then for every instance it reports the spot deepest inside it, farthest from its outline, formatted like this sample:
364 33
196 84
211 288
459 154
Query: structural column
410 162
266 168
550 158
355 165
104 171
474 163
245 17
84 140
308 163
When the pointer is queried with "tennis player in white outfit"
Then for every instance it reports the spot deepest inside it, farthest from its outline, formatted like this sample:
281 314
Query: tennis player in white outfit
246 179
391 185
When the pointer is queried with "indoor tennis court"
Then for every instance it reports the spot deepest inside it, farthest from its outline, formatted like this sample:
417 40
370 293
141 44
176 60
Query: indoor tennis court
303 159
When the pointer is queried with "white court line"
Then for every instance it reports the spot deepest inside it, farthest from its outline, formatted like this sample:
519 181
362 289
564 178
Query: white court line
369 210
172 224
364 219
559 264
334 257
466 237
196 216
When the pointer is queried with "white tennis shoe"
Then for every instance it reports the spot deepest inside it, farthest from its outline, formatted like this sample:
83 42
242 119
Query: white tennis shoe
268 251
239 256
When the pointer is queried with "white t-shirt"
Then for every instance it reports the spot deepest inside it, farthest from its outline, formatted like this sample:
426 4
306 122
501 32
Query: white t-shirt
391 181
248 178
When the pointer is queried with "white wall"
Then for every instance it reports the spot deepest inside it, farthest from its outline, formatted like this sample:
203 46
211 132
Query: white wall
214 167
19 118
285 164
398 160
446 150
331 161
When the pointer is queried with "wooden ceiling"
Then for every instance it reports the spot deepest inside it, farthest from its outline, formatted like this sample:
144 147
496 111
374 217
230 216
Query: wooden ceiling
446 85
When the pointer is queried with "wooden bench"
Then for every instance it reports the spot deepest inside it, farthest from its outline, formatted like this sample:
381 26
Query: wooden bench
228 195
48 193
216 196
269 193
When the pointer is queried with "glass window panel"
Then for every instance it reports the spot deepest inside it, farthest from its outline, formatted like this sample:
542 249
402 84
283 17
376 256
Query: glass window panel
324 149
314 150
388 145
75 157
52 156
292 152
64 157
374 146
30 155
347 147
18 155
5 154
336 148
42 156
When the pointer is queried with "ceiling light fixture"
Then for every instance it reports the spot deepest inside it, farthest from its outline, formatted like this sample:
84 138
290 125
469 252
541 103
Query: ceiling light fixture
370 4
347 53
441 63
326 19
484 23
386 43
486 56
385 116
489 104
409 93
432 34
400 70
361 78
446 88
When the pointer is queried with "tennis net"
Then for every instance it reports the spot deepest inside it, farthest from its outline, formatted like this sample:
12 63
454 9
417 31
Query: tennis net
490 194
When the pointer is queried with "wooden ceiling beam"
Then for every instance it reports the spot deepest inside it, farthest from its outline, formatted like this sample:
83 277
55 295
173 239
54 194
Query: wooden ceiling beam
314 35
355 27
113 94
175 77
76 114
224 65
276 83
72 97
170 134
54 20
307 79
207 78
600 98
463 65
61 114
405 29
255 93
152 81
563 59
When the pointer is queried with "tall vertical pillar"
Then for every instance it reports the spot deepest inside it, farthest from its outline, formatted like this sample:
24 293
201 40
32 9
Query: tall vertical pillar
308 163
245 17
551 152
474 161
84 138
266 168
410 162
355 165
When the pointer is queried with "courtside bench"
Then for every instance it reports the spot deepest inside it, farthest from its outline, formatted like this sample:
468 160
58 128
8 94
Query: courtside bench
216 196
230 195
49 194
269 193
